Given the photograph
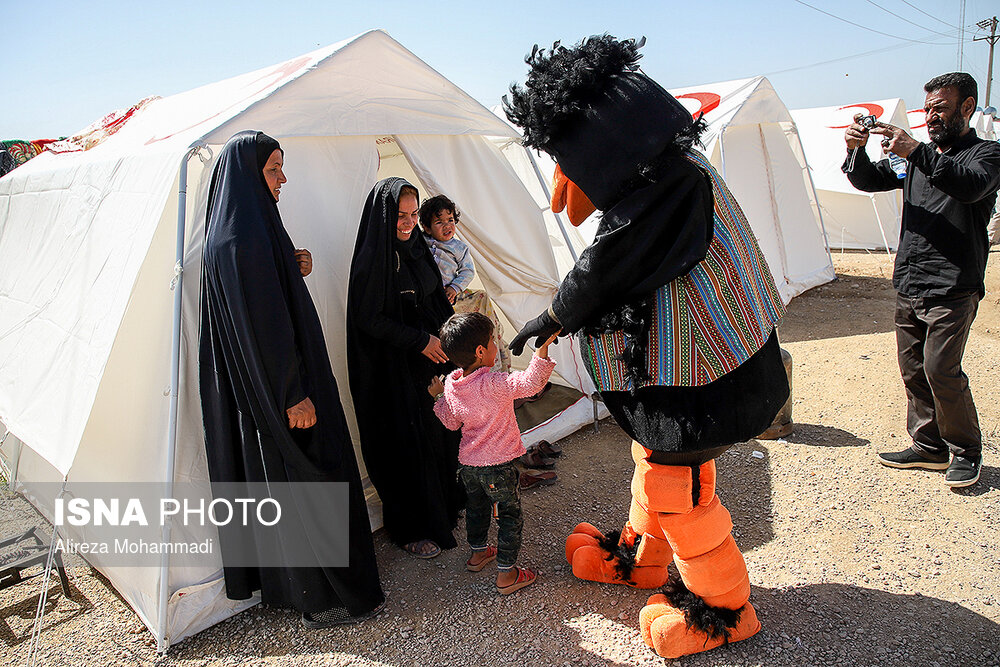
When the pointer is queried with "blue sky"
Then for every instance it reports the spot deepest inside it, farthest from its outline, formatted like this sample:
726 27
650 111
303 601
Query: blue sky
66 64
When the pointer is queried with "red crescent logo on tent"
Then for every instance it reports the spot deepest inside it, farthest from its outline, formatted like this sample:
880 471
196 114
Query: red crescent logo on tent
708 101
282 72
922 115
872 109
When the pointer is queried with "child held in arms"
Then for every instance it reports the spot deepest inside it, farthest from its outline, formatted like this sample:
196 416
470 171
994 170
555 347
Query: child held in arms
439 219
480 401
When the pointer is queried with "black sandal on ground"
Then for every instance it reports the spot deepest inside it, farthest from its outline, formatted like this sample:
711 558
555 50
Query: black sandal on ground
416 549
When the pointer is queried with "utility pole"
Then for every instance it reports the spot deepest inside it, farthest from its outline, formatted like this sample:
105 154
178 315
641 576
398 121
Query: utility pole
961 35
992 39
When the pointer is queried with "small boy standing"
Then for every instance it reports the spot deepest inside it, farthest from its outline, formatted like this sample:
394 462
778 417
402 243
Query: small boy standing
481 402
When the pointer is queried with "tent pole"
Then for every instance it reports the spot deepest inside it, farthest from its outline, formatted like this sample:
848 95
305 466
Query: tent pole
881 227
162 641
548 195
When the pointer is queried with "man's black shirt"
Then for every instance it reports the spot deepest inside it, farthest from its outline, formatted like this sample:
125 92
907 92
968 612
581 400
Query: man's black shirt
947 201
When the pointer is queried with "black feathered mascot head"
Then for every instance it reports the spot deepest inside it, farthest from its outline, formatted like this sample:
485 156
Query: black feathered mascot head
602 119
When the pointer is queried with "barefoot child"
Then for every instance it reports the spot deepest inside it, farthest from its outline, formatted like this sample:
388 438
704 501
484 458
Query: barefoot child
481 402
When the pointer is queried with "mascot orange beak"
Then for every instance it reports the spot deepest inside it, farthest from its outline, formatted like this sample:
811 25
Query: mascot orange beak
566 195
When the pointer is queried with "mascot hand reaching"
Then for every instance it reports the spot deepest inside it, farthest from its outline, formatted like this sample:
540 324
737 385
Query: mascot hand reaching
542 327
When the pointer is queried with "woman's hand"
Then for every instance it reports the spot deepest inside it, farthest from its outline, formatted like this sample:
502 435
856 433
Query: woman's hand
451 293
434 352
305 261
302 414
436 387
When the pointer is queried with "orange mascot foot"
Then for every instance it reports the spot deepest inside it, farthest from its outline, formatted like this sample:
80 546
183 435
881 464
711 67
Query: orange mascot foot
616 559
667 630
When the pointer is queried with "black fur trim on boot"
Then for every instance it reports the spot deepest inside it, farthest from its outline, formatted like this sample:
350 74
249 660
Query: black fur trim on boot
623 555
713 621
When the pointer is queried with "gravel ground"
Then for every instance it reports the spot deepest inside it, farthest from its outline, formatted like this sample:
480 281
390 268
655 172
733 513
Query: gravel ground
852 563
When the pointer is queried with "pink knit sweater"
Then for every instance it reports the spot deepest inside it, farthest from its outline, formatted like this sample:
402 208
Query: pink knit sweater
482 405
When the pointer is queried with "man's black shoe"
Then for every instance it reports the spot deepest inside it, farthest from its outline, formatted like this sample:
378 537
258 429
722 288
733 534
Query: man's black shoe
910 458
963 471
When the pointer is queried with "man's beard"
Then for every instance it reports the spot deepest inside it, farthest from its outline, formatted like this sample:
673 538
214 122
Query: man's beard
949 132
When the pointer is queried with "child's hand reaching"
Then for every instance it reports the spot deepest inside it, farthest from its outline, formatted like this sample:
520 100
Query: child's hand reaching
543 350
436 387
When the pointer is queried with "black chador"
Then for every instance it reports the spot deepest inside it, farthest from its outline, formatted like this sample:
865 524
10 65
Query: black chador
262 352
395 302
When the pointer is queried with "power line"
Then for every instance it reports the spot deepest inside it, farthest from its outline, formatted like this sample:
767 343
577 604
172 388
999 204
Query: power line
902 18
842 58
930 15
858 25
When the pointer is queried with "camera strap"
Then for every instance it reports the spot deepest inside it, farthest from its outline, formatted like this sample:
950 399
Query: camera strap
850 160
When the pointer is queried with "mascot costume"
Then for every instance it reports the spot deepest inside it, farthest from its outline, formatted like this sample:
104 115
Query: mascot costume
675 310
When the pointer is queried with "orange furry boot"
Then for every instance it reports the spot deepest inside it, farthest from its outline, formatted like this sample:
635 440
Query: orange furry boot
635 559
708 605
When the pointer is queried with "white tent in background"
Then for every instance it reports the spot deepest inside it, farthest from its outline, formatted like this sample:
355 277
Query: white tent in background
982 123
88 240
853 219
752 141
918 125
986 125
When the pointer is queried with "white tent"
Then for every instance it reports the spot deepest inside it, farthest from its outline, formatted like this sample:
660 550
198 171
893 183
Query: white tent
985 124
918 125
95 384
752 141
853 219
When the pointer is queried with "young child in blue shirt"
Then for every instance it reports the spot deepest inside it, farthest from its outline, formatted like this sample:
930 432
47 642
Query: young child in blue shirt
439 219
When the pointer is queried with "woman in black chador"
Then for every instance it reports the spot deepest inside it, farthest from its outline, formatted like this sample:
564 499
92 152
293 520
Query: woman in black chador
272 412
395 307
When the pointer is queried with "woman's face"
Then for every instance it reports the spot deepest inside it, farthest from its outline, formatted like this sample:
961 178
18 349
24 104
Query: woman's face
273 175
408 208
443 226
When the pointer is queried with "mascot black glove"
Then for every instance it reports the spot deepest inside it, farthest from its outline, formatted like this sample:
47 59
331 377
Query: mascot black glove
542 327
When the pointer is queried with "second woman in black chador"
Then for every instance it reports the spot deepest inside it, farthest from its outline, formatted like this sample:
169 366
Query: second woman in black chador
395 306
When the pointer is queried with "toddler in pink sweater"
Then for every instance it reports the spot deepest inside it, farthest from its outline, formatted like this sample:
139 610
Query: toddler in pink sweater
480 401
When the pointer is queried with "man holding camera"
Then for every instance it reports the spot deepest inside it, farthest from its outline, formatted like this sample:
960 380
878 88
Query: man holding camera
949 189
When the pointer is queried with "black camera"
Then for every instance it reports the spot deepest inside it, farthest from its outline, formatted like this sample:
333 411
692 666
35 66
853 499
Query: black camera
868 122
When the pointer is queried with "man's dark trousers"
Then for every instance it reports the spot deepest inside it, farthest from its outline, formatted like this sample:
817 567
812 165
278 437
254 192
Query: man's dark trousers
930 340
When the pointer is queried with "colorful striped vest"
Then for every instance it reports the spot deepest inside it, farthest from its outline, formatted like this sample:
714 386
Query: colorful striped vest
707 322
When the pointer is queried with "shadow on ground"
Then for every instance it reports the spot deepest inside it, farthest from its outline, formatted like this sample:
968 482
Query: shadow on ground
17 620
822 312
823 436
863 626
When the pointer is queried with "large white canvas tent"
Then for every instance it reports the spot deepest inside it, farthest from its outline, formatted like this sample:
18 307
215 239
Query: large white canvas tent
853 219
92 256
752 141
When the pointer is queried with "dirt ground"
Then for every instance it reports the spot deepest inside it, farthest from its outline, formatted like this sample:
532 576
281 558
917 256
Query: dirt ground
852 563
